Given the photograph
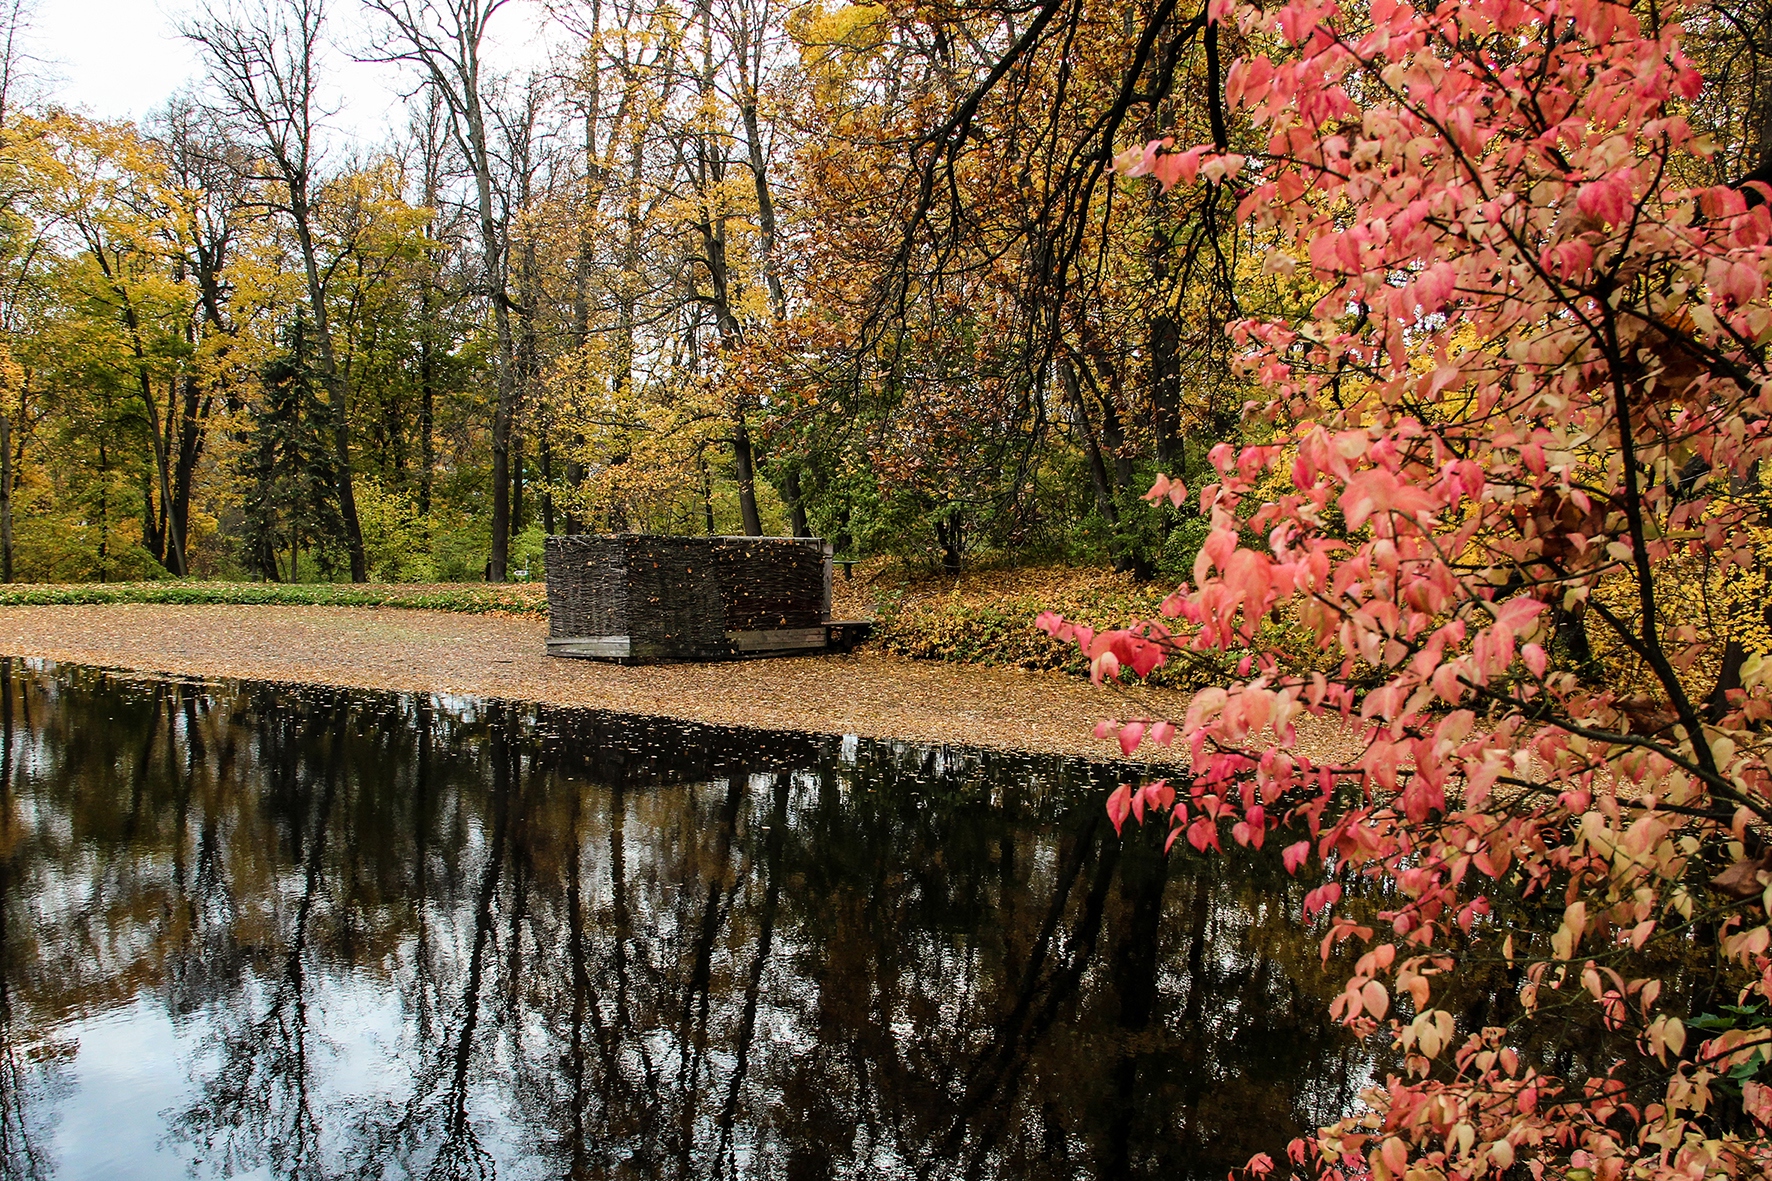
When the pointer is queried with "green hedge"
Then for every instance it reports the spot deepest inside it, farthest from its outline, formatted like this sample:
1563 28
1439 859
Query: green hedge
520 598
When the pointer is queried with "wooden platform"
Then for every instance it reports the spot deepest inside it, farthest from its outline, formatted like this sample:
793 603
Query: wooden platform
842 635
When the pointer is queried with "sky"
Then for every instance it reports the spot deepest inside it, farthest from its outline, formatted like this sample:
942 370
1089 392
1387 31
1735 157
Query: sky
122 59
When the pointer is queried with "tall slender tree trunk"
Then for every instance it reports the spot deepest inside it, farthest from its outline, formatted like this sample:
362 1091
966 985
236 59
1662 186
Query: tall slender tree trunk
1098 473
427 410
516 483
528 364
504 416
450 55
188 450
707 491
743 460
547 485
765 208
1165 361
5 495
431 149
796 503
335 386
267 74
104 512
166 546
709 173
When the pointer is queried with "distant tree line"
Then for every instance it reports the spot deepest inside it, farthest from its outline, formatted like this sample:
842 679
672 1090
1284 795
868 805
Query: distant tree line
719 265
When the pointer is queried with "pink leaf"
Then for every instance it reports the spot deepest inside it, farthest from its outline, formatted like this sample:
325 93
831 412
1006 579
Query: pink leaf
1119 806
1131 734
1321 898
1535 659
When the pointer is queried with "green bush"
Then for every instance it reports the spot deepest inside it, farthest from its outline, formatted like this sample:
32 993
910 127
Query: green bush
470 598
527 549
393 534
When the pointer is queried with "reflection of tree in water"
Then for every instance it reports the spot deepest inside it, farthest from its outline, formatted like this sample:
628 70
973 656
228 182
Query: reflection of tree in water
256 1108
933 995
23 1089
433 1134
627 949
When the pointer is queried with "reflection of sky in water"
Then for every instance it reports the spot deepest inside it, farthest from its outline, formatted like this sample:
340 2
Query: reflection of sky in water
290 936
131 1066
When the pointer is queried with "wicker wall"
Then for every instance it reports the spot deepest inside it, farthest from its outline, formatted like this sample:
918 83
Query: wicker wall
639 597
768 582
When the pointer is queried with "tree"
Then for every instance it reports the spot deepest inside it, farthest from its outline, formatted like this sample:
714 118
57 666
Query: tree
1514 498
204 180
444 40
110 204
671 282
14 19
291 487
263 57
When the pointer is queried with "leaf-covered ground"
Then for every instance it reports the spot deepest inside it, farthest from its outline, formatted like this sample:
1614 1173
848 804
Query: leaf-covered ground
985 615
872 694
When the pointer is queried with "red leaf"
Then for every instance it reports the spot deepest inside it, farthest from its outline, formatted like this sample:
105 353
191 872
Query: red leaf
1131 734
1321 898
1119 805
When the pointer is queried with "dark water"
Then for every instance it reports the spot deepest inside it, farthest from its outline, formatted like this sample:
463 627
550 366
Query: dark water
254 931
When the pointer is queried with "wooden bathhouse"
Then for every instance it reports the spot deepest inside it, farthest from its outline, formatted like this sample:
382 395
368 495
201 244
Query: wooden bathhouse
641 598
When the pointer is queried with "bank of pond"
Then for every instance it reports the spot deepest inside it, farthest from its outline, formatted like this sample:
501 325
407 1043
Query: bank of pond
255 929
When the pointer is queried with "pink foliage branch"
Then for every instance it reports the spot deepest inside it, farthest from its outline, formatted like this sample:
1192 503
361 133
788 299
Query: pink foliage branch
1533 382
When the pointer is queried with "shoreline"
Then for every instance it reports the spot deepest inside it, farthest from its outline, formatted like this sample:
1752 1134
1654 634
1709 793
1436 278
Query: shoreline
502 657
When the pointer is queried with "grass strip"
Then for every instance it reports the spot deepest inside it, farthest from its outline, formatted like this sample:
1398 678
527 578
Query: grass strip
508 598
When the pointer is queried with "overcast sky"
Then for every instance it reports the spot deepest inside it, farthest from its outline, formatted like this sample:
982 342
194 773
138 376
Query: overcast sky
122 59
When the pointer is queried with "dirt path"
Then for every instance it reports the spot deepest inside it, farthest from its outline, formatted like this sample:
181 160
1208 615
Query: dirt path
867 694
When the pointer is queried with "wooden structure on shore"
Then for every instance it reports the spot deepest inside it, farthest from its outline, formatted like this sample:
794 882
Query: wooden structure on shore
640 598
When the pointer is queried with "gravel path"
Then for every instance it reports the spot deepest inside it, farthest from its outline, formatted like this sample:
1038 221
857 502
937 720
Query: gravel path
867 694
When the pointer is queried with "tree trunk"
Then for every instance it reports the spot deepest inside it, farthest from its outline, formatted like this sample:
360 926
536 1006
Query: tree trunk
516 484
707 491
1108 389
1098 473
492 255
335 384
164 543
193 413
744 462
502 417
427 408
1166 392
796 504
547 486
104 512
765 209
527 360
169 546
5 496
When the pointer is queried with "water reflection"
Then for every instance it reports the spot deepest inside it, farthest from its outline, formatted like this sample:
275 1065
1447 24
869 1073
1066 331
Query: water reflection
254 930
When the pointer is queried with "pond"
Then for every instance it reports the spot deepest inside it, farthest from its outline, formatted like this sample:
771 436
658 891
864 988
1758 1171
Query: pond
254 930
